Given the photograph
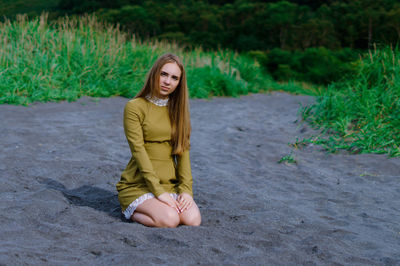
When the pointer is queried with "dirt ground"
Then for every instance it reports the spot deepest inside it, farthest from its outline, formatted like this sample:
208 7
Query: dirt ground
59 163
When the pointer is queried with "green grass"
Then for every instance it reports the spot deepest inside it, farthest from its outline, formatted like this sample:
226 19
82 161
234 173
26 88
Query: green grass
362 113
287 159
44 61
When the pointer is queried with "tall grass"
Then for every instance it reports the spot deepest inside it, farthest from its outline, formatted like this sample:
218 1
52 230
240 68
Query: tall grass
362 113
71 57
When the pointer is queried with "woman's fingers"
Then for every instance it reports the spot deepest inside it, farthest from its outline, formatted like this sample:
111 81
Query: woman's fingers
175 206
167 199
186 205
184 196
182 205
184 202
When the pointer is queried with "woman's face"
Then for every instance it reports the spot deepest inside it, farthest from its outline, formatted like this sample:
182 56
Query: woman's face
170 76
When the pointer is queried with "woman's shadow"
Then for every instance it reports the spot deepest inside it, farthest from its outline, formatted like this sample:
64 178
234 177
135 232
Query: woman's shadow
93 197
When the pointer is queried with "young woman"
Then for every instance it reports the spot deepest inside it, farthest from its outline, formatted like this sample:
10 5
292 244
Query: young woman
156 187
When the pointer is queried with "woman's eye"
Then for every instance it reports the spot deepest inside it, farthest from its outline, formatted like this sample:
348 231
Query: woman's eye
163 74
175 78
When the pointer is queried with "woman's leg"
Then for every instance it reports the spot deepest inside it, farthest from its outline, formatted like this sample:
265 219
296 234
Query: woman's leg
155 213
191 216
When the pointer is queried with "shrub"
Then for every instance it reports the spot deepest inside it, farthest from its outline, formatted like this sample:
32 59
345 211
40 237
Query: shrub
362 113
316 65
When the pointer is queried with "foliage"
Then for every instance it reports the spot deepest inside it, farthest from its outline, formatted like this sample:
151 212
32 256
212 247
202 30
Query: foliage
241 25
362 113
316 65
288 159
82 56
10 8
311 41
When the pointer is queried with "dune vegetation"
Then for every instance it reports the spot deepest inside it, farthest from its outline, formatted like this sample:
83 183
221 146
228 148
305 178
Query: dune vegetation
44 61
362 112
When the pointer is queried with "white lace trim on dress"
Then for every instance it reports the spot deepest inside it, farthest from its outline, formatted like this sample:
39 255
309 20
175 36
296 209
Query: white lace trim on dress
132 207
157 101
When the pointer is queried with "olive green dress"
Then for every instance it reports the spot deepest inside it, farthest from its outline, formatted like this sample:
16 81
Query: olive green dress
152 168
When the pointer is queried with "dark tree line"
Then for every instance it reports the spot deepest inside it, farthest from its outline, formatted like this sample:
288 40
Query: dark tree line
253 25
311 40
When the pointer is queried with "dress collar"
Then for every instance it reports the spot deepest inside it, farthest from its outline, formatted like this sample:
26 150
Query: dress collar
157 101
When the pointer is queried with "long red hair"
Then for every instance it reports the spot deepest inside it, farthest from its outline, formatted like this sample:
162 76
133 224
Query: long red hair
178 103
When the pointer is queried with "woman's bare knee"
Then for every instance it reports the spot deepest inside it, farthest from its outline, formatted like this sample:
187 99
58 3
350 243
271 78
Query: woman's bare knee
192 220
195 221
191 217
168 218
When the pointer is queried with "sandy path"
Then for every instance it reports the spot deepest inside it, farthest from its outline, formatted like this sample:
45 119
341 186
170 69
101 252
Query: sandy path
59 163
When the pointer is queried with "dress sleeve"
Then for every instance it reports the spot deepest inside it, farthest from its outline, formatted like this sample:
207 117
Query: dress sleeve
184 173
133 119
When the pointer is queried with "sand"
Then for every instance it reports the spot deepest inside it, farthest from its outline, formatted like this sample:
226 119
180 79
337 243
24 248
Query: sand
59 163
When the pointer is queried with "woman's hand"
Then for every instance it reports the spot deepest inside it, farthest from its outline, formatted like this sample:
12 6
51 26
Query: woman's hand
184 201
167 199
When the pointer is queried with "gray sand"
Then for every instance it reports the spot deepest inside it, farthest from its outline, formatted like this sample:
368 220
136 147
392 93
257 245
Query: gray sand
59 164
